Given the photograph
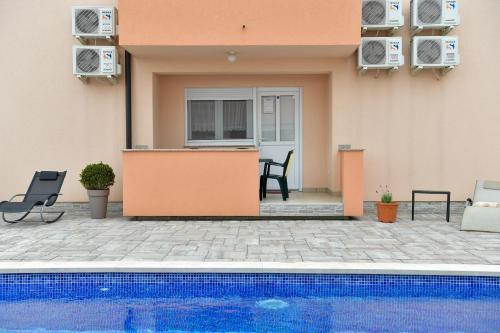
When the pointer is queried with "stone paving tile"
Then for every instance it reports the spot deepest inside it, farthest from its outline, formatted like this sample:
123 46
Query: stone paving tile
76 237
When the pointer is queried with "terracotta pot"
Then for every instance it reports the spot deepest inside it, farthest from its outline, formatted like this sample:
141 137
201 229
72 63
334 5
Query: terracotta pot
387 212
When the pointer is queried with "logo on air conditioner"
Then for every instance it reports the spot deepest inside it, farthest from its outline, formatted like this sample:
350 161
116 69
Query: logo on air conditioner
451 5
108 55
394 46
451 46
395 6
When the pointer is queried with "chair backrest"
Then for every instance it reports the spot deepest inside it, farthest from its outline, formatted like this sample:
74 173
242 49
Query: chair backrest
487 191
43 184
288 162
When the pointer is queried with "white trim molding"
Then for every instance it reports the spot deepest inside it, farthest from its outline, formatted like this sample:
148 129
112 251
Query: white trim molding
248 267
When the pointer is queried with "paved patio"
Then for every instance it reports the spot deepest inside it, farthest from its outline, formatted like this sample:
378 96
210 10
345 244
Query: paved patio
78 238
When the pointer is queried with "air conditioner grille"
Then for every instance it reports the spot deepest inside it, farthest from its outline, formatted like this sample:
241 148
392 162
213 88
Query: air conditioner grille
374 52
429 51
87 61
374 12
87 21
430 11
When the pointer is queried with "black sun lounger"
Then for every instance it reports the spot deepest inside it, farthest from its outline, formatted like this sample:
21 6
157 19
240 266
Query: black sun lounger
43 192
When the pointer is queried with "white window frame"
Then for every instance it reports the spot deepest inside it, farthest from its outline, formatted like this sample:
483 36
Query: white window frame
220 94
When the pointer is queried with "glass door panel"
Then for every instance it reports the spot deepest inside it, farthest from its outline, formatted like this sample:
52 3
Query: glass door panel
268 118
287 118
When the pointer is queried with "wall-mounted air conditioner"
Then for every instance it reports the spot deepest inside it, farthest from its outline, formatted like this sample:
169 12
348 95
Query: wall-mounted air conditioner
380 53
92 22
95 61
434 52
434 14
382 14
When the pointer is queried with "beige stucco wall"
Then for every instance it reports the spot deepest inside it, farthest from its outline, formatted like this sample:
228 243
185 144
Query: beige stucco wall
49 119
170 113
419 132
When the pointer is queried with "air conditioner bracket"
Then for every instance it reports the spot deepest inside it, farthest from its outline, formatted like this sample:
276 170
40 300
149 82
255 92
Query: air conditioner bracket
416 30
111 40
447 69
113 79
362 70
447 30
83 78
417 69
393 70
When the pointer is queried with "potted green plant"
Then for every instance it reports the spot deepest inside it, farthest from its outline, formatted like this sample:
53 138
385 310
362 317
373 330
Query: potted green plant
387 210
97 179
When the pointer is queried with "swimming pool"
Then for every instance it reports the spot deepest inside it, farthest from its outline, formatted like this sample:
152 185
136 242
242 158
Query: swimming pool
256 302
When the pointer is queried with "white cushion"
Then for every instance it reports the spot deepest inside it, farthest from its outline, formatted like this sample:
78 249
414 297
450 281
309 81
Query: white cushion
491 185
486 204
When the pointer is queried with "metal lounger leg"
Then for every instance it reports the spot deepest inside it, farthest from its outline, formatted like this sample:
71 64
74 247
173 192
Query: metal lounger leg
413 206
59 215
17 220
448 208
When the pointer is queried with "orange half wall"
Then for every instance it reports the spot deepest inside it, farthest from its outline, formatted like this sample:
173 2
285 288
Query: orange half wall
191 183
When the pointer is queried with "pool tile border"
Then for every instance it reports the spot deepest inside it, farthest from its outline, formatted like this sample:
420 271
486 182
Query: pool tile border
248 279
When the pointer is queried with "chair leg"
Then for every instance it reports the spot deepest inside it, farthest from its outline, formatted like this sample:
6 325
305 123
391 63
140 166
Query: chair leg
264 187
260 187
282 188
285 180
16 220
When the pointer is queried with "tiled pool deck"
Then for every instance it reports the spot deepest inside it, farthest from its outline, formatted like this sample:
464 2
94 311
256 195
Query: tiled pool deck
428 240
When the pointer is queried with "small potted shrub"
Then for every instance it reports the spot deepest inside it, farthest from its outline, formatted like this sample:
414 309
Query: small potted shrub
97 179
387 210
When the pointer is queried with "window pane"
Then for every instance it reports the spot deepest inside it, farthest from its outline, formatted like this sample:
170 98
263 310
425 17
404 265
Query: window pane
268 118
287 118
201 117
237 119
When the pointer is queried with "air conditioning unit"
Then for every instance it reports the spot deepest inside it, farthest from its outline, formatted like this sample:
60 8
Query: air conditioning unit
434 52
94 22
434 14
380 53
382 14
95 61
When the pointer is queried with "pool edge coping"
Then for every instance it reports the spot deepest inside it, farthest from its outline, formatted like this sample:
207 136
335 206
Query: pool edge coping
247 267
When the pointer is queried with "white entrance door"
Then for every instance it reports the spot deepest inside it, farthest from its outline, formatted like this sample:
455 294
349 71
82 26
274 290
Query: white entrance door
279 131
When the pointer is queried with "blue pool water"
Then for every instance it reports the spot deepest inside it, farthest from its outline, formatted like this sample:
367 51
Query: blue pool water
192 302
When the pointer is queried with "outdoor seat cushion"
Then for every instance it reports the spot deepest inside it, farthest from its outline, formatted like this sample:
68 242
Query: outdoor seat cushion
491 185
17 207
48 175
486 204
481 219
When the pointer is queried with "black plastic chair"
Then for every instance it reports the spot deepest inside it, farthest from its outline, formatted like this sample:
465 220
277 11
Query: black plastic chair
42 192
282 179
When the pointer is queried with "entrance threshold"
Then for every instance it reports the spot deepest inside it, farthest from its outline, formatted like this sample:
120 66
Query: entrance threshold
302 204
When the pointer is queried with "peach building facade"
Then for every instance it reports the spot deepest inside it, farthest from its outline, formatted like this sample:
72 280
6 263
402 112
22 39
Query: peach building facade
417 131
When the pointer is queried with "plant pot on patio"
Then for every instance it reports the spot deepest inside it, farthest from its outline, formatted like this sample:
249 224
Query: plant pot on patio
98 203
387 210
97 179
